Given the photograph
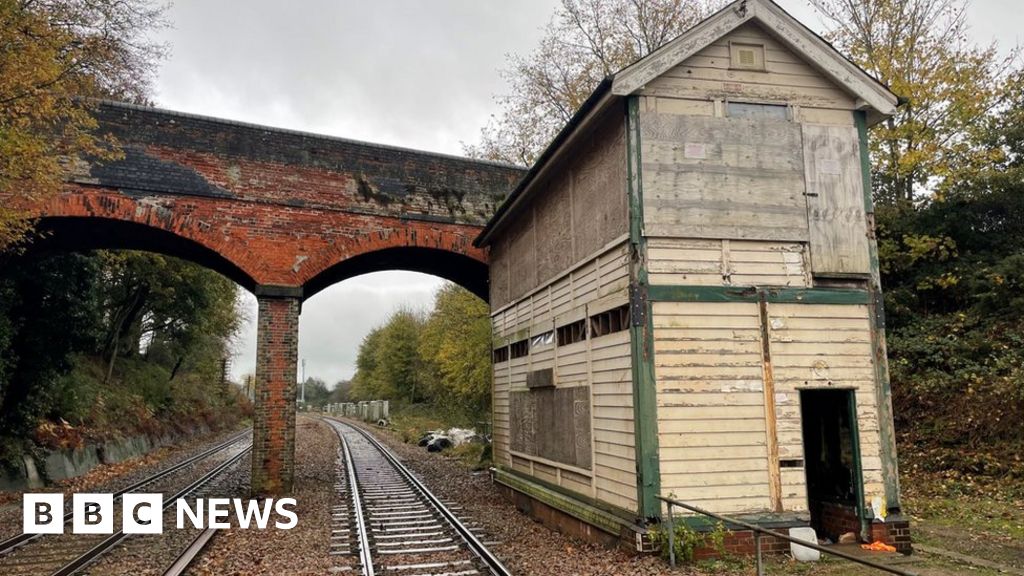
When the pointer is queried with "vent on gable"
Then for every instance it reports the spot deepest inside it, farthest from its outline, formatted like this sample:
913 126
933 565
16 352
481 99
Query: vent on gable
746 56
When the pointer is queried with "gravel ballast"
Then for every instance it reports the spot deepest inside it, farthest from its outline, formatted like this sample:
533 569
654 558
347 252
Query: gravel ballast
301 550
526 547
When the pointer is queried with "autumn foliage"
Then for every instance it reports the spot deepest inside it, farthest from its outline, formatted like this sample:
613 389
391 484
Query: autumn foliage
56 57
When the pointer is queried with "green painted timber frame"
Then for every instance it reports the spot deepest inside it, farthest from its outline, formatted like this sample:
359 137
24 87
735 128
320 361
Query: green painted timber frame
674 293
641 331
858 465
883 391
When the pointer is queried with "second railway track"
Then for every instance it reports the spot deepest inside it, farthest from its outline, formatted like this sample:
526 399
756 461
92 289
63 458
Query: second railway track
67 553
388 522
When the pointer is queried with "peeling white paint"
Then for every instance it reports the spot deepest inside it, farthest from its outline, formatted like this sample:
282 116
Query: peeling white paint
743 387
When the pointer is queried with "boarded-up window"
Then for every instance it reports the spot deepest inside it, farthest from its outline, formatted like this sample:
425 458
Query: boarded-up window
835 200
745 110
520 348
610 321
552 423
572 333
738 178
501 355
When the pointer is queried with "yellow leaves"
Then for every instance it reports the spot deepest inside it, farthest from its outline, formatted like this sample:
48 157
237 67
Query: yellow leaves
919 49
923 246
54 57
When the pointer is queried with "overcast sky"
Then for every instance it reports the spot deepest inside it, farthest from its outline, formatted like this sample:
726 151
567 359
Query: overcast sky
415 73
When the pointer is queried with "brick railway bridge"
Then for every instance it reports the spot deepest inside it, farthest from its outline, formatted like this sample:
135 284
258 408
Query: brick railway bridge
282 213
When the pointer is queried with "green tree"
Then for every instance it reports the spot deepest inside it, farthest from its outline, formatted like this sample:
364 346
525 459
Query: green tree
399 365
954 276
47 314
366 384
175 307
110 341
919 48
456 342
585 41
316 391
342 392
55 55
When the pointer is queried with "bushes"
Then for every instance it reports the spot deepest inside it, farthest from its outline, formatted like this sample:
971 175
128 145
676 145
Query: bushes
687 541
103 344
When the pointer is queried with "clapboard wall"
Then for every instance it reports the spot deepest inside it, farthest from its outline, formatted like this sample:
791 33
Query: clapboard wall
565 260
598 364
710 363
579 209
752 179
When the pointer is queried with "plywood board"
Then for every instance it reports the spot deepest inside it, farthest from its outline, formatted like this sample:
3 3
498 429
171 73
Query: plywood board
729 178
553 424
835 200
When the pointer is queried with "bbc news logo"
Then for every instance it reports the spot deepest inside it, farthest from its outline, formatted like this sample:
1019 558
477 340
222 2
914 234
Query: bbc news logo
144 513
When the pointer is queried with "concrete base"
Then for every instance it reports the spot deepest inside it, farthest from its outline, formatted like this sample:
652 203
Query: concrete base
59 465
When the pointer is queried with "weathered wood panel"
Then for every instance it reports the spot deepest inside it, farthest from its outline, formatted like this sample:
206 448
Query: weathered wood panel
553 424
786 78
737 178
711 421
574 214
835 200
614 444
572 291
682 261
601 366
823 346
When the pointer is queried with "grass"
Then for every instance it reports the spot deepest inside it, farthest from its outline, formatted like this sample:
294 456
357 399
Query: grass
411 422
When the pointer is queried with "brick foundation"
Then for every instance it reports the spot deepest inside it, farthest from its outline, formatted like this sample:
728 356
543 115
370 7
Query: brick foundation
277 350
837 519
895 532
741 543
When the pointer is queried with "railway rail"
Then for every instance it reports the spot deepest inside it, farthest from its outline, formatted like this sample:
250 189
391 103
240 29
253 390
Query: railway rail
67 553
387 522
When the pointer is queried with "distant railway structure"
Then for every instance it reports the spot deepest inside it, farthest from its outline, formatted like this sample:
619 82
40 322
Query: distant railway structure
684 287
686 300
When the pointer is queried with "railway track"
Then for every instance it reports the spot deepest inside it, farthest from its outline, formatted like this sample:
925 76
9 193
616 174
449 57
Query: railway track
387 522
67 553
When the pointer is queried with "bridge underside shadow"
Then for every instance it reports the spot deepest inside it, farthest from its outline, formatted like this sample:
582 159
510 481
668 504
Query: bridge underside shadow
76 234
467 272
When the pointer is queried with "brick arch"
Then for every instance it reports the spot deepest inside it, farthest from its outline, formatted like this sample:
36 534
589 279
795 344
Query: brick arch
284 214
76 222
467 270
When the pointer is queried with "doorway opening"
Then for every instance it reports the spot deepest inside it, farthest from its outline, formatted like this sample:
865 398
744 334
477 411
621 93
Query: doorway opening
832 461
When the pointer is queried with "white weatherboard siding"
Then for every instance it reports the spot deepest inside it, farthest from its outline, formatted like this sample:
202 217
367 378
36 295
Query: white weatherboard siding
603 364
823 346
711 421
711 418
